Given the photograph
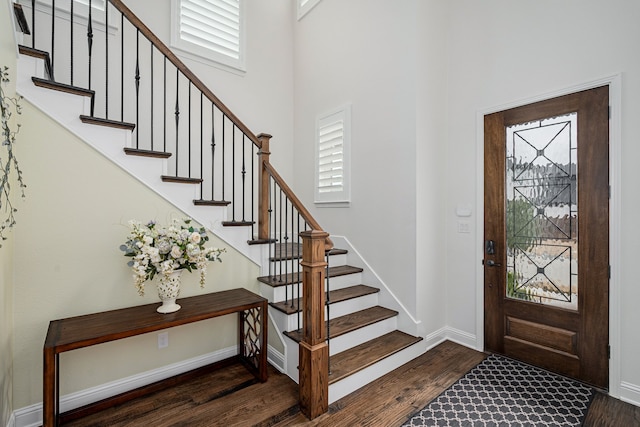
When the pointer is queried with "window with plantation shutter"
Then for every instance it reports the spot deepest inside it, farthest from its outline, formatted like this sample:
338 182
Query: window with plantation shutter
210 29
332 156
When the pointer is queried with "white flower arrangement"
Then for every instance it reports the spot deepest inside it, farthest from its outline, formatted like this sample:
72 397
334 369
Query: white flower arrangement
162 250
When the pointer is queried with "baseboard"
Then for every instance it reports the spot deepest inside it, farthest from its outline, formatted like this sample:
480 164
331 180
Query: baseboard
630 393
12 420
31 416
276 359
452 334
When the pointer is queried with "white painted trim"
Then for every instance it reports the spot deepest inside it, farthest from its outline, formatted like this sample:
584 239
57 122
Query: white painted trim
32 415
630 393
303 10
12 420
615 209
276 359
406 322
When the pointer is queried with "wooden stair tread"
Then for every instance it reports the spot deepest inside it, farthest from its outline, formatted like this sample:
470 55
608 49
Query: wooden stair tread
181 179
202 202
107 122
31 51
21 19
291 278
287 251
237 223
364 355
62 87
336 296
351 322
147 153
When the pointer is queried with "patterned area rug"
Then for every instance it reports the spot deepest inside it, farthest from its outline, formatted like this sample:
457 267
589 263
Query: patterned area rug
503 392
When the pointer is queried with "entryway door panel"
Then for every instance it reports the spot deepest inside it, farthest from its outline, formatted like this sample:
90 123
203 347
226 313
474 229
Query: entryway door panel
546 230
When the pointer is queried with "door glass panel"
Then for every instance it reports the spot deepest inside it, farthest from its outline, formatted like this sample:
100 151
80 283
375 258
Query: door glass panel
542 211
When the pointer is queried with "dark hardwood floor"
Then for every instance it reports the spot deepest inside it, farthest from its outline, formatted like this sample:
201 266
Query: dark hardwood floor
231 397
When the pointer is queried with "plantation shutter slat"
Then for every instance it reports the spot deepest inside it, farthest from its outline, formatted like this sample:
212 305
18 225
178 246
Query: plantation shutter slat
330 157
212 24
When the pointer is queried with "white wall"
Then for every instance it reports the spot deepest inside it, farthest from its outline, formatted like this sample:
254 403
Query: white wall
431 136
362 52
501 52
263 96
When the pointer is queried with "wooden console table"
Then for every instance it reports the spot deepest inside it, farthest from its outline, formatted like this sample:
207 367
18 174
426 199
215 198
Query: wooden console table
84 331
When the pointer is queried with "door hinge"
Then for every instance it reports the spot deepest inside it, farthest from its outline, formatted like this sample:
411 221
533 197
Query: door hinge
609 192
608 352
609 272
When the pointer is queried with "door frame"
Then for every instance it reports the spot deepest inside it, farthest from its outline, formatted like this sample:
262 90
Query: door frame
614 82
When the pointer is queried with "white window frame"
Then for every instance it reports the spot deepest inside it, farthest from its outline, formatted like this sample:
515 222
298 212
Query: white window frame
203 54
304 6
339 198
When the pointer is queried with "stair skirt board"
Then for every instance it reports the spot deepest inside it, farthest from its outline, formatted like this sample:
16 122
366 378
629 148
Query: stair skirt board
66 109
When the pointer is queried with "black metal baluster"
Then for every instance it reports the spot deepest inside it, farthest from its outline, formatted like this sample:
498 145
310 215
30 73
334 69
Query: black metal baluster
233 172
122 67
224 127
299 278
253 222
244 173
164 106
137 79
53 32
286 244
201 150
189 132
177 113
152 103
275 227
71 42
106 61
328 304
213 151
33 23
271 243
90 40
286 288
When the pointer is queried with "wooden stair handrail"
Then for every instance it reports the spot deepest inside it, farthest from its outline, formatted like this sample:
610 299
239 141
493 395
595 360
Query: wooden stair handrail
162 48
306 215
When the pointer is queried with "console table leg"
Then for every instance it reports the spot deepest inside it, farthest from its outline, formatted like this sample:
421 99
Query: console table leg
49 386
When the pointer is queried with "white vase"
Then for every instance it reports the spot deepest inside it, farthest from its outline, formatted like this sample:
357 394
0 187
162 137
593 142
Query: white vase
168 290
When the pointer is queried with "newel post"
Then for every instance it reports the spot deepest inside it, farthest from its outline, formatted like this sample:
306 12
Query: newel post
314 351
263 187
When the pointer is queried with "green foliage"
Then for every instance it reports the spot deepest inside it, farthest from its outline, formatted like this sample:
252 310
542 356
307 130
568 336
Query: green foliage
521 224
8 161
521 294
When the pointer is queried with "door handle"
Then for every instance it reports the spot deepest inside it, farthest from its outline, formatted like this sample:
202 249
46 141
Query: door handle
492 263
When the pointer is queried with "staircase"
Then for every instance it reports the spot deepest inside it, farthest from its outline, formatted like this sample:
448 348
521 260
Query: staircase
364 339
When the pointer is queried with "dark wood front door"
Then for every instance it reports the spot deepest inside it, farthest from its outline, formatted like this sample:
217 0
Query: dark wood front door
546 231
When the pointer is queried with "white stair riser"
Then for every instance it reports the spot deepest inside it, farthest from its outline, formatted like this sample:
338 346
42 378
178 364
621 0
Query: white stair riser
362 335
